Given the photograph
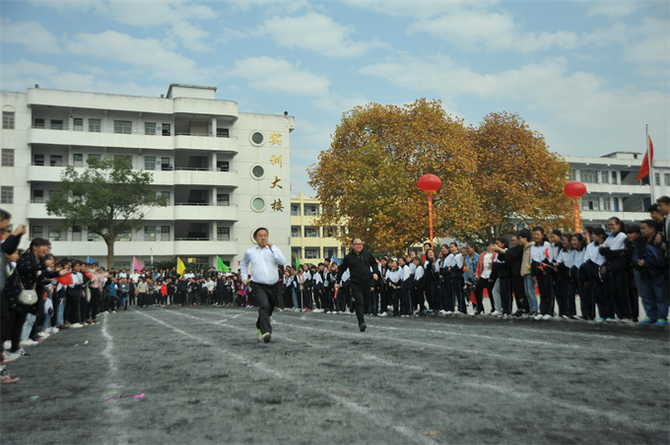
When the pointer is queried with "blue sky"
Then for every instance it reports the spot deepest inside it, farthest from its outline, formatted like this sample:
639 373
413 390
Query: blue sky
588 75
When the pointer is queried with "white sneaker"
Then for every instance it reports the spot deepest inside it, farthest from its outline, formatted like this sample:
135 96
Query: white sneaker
496 313
547 317
626 320
28 342
76 325
7 345
55 330
449 312
383 314
539 317
42 334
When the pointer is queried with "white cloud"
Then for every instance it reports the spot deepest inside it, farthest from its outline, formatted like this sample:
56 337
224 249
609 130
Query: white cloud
23 74
581 112
276 75
148 55
612 9
316 32
35 37
474 28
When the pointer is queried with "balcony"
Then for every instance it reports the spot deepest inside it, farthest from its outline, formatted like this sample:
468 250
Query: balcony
42 173
591 215
38 211
632 189
207 143
205 247
99 139
144 248
196 177
205 212
209 107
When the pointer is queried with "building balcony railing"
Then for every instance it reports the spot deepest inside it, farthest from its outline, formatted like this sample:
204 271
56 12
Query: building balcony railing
197 177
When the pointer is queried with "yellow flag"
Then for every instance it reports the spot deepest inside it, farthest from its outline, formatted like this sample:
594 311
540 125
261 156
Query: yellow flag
180 267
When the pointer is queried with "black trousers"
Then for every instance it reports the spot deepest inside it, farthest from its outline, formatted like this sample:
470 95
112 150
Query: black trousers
266 298
545 286
361 296
484 283
95 301
520 293
14 327
617 292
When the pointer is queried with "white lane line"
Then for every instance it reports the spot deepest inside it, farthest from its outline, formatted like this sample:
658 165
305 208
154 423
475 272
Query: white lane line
117 413
284 377
519 393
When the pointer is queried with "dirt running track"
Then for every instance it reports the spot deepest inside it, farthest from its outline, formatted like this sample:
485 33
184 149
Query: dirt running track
206 379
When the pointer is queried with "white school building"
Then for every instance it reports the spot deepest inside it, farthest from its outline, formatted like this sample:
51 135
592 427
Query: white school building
224 172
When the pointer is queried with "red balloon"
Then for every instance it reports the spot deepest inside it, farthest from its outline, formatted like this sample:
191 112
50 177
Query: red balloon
429 183
574 189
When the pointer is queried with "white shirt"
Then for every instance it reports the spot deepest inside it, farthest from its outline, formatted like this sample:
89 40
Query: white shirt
488 262
412 267
449 260
264 264
393 275
566 257
457 261
346 275
592 254
537 253
616 242
418 273
406 273
578 257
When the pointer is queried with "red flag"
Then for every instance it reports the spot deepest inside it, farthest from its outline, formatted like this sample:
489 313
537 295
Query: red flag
65 279
644 168
335 297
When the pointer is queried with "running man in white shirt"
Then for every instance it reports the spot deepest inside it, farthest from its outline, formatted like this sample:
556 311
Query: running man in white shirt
266 283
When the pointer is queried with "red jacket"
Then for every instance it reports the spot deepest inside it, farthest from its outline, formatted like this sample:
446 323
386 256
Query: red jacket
480 264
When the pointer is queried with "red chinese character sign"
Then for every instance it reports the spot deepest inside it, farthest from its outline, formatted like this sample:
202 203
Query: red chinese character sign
575 190
429 184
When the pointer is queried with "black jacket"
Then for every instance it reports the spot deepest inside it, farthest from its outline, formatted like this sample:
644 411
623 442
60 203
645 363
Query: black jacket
359 267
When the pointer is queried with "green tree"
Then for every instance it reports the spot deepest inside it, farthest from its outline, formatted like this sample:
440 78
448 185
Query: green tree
108 198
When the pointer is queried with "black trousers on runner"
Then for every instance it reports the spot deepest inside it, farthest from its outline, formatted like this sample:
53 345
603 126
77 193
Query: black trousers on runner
266 298
361 295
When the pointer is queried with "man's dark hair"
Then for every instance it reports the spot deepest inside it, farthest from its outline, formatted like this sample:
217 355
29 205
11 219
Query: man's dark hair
525 233
4 214
649 223
663 199
259 229
538 229
503 241
652 208
39 242
633 228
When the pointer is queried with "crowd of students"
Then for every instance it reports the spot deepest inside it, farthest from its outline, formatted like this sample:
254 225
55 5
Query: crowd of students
609 272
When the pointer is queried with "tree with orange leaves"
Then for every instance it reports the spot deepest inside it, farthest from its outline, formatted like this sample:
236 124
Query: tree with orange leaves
367 179
518 178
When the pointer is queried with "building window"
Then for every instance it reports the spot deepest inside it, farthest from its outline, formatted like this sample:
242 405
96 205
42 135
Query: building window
76 233
56 124
311 252
590 204
223 166
92 236
311 209
38 196
165 130
257 138
222 133
8 157
126 235
606 204
165 195
39 123
330 252
166 165
657 179
615 201
311 232
296 252
37 231
78 159
38 160
56 234
222 232
295 209
295 231
94 156
605 176
150 128
7 194
573 175
123 127
222 198
149 162
329 232
94 125
165 233
666 178
7 120
589 176
149 233
258 171
258 204
56 160
78 123
614 178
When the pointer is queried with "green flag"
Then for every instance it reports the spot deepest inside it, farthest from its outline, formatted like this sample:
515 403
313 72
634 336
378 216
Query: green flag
297 263
220 267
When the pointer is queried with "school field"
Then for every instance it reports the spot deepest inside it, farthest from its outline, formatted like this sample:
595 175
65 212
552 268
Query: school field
199 376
